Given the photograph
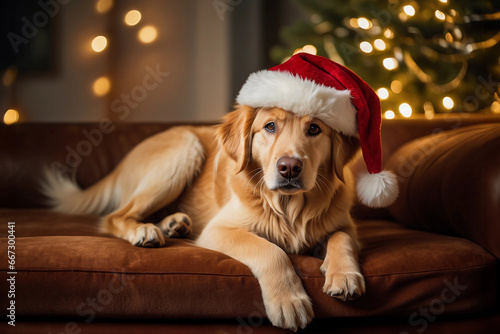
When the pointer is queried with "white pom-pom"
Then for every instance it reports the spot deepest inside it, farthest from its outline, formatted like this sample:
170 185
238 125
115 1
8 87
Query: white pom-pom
377 190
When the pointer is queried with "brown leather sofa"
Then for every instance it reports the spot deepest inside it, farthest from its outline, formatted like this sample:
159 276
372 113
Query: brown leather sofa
430 260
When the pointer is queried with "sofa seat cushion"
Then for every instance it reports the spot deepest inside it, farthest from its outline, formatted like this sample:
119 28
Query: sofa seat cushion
66 268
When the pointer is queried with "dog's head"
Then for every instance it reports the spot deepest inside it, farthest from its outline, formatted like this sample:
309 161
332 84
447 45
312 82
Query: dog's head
291 154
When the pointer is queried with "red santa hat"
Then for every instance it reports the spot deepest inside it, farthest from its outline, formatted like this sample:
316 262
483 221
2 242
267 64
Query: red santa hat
318 87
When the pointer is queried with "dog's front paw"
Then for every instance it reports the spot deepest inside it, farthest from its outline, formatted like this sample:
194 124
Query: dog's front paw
146 235
345 286
289 308
290 312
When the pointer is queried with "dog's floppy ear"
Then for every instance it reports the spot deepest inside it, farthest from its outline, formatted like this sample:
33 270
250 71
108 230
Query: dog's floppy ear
344 149
235 135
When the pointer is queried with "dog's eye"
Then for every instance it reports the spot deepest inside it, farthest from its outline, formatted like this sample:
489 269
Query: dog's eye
270 127
313 130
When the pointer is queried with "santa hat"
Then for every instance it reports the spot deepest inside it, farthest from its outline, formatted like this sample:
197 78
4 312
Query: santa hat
318 87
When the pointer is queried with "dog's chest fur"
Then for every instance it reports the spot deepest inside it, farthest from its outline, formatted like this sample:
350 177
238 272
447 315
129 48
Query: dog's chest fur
289 223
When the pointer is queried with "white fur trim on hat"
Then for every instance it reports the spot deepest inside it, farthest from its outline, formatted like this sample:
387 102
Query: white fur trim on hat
301 96
377 190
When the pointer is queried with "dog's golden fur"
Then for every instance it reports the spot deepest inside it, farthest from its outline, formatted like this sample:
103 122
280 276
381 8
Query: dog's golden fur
231 198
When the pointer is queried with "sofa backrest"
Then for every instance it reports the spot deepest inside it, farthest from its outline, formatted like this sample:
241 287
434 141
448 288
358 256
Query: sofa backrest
92 150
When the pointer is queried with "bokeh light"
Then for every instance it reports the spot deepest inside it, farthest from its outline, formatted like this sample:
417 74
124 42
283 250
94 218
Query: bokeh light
132 17
439 15
379 44
366 47
364 23
99 43
148 34
409 10
309 49
448 103
495 107
390 63
389 114
101 86
11 116
103 6
383 93
405 110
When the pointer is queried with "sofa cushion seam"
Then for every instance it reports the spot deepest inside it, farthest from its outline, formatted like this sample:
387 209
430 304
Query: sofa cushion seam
245 275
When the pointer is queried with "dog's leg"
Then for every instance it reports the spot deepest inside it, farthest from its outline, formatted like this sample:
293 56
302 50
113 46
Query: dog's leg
153 175
177 225
343 278
286 302
126 223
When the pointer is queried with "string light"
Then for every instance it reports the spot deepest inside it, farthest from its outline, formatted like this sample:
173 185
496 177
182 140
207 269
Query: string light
379 44
376 30
448 103
396 86
409 10
148 34
388 33
389 114
101 86
453 44
449 37
309 49
403 17
364 23
99 43
383 93
495 107
366 47
405 110
440 15
10 76
354 23
11 116
428 110
132 17
390 63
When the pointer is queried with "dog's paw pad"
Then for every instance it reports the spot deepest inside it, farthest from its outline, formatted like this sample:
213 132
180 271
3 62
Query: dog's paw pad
177 225
151 244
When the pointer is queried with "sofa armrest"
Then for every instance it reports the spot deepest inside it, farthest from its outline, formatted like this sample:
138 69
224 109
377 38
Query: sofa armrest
450 183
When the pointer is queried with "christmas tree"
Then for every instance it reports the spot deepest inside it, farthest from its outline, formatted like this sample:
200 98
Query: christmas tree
430 56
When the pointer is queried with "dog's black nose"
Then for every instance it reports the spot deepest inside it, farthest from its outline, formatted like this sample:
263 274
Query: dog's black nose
289 168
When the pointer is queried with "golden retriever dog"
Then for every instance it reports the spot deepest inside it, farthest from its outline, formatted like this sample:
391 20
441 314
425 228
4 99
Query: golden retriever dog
263 184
